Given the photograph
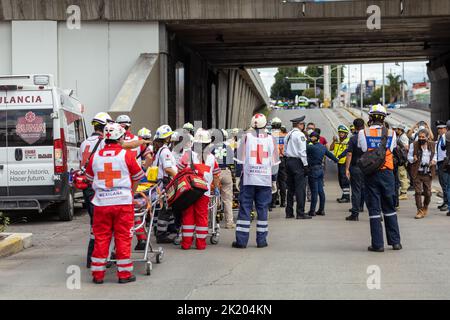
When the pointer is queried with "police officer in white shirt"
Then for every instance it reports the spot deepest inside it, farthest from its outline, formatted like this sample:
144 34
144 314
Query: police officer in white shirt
441 154
297 169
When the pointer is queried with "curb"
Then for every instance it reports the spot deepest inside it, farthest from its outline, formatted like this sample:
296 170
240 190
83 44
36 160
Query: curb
14 243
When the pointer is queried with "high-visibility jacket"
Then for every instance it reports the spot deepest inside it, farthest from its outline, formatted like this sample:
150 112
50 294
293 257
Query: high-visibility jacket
373 139
339 148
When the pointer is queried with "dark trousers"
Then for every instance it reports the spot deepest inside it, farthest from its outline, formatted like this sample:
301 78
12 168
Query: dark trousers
422 185
380 190
397 187
281 183
443 180
357 185
315 180
343 182
261 197
88 194
296 183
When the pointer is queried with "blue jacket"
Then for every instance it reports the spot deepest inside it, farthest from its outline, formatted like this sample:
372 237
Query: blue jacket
316 152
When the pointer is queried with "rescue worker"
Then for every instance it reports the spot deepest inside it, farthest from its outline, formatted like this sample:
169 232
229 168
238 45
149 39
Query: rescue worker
224 156
296 168
142 152
354 173
88 147
143 155
316 153
339 148
115 175
403 145
379 186
146 134
441 154
446 164
167 169
188 135
280 136
195 218
422 156
258 155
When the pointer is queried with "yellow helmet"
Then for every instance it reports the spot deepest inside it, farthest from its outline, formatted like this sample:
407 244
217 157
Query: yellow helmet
145 133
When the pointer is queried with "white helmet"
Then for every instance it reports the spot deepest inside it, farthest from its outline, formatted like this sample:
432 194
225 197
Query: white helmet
163 132
202 136
276 121
101 118
113 131
378 109
259 121
145 134
175 137
188 126
123 119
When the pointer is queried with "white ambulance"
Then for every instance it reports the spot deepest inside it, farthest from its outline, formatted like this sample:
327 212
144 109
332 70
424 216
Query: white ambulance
41 130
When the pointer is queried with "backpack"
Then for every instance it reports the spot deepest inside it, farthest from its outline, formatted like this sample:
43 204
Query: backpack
400 155
372 160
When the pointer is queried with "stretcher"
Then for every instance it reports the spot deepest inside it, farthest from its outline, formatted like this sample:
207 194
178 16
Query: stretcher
148 200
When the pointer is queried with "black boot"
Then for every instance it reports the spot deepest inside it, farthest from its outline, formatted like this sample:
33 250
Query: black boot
238 246
352 218
303 217
311 214
163 237
132 278
140 246
320 213
375 249
89 253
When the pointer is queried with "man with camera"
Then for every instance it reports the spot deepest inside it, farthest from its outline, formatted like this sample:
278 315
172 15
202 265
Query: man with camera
423 158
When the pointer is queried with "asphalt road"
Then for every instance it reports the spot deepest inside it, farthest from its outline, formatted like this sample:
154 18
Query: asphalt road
322 258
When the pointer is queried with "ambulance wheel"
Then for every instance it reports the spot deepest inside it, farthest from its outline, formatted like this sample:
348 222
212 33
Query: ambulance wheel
66 209
148 268
214 239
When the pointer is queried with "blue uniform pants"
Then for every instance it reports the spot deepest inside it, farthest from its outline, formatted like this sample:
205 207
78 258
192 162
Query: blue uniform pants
315 180
262 197
443 176
357 184
380 190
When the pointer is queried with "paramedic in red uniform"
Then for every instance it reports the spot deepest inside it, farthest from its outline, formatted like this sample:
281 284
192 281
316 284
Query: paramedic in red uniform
141 153
196 216
115 175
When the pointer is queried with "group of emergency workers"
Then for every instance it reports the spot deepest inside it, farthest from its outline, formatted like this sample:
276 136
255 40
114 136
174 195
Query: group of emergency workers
267 164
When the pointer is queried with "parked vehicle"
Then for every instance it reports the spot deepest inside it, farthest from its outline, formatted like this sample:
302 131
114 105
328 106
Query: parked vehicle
41 130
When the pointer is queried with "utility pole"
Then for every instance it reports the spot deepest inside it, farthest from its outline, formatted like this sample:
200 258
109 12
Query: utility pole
361 90
349 91
384 89
326 83
403 85
338 89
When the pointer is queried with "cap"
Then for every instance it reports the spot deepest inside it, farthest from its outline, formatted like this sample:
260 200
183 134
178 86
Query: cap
298 120
440 124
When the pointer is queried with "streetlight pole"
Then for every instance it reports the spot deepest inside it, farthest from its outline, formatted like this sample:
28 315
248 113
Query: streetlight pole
361 90
384 90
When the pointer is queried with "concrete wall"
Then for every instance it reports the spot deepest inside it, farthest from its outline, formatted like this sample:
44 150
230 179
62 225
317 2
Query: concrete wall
94 61
439 74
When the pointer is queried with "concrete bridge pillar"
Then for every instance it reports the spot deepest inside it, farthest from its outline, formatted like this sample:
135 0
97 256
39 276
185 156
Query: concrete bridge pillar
438 72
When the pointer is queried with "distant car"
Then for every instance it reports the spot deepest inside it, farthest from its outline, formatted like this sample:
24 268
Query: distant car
307 103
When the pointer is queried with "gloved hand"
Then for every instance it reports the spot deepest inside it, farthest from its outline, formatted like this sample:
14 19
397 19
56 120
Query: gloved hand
306 170
217 192
274 187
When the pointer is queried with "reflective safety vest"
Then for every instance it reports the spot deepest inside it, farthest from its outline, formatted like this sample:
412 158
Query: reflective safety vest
280 138
373 139
339 148
112 182
259 153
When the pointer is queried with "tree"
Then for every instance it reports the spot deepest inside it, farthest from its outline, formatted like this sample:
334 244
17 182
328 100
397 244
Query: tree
394 87
309 93
317 71
282 87
377 96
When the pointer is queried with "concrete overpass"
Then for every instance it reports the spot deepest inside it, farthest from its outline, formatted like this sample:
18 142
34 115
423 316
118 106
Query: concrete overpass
210 41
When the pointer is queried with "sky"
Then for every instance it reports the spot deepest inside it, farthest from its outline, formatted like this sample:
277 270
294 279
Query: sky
414 72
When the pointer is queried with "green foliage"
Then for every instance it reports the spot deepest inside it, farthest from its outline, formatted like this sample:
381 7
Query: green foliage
377 96
309 93
4 222
394 87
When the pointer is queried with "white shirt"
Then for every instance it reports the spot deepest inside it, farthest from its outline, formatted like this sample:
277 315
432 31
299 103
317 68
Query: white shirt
295 146
441 154
404 140
164 159
426 155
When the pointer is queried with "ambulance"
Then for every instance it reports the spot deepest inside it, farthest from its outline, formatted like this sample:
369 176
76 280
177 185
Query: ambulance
41 130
